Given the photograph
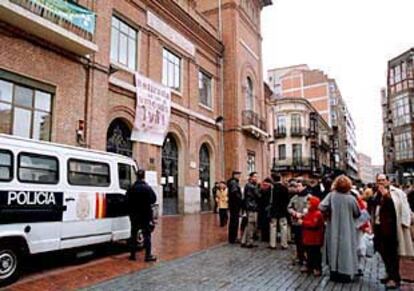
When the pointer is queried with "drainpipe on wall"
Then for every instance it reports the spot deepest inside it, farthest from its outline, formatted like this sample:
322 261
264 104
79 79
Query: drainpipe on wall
223 168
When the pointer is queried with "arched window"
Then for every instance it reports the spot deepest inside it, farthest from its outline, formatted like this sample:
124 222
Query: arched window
249 94
118 138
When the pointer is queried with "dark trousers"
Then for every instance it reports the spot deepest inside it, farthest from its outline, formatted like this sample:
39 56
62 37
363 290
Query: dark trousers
388 249
263 223
223 216
233 224
314 257
300 250
146 233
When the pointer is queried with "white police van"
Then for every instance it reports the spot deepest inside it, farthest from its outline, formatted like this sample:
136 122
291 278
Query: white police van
55 197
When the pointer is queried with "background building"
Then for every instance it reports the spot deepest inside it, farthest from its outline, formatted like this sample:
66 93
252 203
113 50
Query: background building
398 112
300 145
324 95
366 170
71 80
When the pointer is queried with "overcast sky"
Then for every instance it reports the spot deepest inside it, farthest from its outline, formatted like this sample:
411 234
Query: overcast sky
351 40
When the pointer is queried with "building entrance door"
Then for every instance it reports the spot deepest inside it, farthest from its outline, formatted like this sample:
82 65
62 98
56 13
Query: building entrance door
204 179
169 177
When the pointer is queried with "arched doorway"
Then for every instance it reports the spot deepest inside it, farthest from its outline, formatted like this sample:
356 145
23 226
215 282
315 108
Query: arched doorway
204 179
118 138
169 177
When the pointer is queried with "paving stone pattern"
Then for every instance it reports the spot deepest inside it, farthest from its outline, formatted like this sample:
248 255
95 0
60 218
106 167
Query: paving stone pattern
229 267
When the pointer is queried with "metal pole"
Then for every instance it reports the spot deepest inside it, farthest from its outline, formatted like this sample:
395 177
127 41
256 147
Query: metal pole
222 92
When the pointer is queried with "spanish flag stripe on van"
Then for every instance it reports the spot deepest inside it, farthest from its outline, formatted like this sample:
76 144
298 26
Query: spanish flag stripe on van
100 205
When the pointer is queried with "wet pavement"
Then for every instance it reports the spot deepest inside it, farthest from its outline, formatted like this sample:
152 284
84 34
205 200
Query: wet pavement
174 237
229 267
192 255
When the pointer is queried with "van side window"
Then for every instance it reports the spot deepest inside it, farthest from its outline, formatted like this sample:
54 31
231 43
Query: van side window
6 165
39 169
126 176
86 173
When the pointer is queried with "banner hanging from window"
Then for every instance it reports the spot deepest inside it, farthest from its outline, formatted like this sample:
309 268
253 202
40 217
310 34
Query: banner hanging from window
153 111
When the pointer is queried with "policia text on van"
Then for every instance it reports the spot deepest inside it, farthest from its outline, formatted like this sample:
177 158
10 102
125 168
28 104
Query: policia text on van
55 197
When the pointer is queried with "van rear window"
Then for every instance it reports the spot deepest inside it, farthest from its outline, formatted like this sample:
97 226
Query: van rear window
6 165
87 173
126 175
39 169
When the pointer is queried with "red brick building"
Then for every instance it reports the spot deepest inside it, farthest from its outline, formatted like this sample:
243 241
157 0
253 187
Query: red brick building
59 75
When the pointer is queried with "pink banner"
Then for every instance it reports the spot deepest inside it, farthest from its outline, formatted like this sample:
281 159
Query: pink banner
153 111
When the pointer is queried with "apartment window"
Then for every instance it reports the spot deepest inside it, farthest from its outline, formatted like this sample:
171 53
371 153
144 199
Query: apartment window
404 146
397 71
404 71
25 111
251 162
123 44
391 76
281 122
86 173
6 165
249 94
39 169
297 154
171 70
282 152
295 122
205 88
313 122
401 110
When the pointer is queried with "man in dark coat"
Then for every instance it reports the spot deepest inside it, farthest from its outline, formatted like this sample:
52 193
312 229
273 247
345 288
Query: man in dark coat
279 212
235 203
214 192
141 197
251 204
264 203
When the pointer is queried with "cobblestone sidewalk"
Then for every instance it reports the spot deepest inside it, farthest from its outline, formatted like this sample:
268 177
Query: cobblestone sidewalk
232 268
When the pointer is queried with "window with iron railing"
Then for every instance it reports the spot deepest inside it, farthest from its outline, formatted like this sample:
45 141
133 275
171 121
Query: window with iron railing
297 154
281 152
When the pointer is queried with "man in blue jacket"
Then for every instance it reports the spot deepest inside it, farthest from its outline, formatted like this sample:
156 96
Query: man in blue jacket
141 197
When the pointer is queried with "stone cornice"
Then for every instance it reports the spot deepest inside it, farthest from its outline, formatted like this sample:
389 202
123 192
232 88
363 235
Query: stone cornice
173 13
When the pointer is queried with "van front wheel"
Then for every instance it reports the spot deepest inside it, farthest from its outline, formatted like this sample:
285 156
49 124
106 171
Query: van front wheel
9 264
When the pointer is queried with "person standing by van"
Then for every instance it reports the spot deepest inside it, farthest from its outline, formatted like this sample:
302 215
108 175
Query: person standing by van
141 197
222 200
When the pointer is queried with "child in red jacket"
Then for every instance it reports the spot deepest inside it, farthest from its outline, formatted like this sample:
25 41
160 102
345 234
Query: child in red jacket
313 229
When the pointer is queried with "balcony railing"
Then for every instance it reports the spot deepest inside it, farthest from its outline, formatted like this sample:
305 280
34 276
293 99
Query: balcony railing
280 132
77 19
62 23
252 119
298 131
313 133
293 164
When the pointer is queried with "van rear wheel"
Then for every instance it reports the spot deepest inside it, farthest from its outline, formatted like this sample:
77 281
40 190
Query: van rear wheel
10 261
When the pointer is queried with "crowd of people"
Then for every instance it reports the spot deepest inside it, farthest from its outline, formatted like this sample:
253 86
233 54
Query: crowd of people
330 221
